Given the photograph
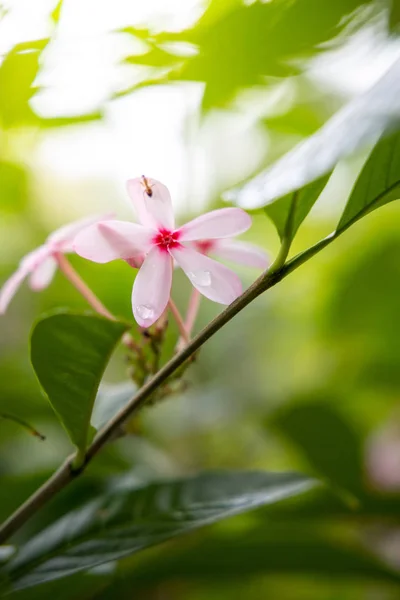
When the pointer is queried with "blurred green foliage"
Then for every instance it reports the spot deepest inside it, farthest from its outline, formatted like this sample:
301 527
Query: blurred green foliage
240 46
302 380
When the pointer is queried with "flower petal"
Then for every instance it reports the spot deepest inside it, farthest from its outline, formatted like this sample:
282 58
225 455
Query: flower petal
242 253
10 288
221 223
43 274
155 210
61 240
110 240
152 287
28 264
213 280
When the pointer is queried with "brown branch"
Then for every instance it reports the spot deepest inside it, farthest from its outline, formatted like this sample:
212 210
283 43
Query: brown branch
66 473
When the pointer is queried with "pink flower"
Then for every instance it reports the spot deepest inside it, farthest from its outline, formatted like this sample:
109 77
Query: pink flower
242 253
41 264
159 241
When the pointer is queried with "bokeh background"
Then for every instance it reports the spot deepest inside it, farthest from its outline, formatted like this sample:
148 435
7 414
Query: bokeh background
201 96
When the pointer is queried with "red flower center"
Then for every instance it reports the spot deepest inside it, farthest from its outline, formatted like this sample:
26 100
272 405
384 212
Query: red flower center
166 239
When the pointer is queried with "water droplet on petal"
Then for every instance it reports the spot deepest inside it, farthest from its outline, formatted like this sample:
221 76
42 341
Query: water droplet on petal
200 278
146 313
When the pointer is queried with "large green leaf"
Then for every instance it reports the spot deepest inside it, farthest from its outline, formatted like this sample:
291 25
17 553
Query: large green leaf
329 443
289 212
128 520
359 123
378 183
69 354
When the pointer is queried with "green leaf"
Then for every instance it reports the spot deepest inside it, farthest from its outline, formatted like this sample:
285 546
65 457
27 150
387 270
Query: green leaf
378 183
82 586
18 72
128 520
69 354
289 212
394 15
156 57
56 12
241 45
327 441
301 119
358 123
6 552
63 121
110 399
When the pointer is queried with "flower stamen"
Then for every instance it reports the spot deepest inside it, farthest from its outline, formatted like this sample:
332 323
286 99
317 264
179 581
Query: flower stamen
166 239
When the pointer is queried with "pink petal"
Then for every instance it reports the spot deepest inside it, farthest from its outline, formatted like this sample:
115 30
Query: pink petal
43 274
30 262
242 253
110 240
35 258
213 280
10 288
221 223
61 239
155 210
152 287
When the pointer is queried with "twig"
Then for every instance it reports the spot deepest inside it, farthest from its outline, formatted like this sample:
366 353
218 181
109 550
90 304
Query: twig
65 474
80 285
179 321
67 269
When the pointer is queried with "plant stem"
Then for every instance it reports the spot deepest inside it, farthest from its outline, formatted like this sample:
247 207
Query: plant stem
193 309
287 237
73 277
178 318
24 424
66 473
67 269
278 271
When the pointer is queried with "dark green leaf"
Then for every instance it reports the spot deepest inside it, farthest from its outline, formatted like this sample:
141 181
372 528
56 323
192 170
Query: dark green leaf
82 586
360 122
327 441
110 399
394 17
69 354
378 183
289 212
128 520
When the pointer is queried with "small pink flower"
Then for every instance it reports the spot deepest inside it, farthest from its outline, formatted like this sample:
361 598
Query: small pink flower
242 253
159 241
41 264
